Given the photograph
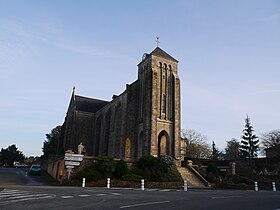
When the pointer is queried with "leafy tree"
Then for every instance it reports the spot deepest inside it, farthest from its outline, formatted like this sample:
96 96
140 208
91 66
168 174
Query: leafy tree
196 144
232 150
11 154
51 143
271 139
249 141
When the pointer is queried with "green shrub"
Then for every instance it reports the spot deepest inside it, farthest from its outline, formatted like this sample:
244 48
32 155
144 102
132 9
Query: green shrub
146 162
132 177
158 169
89 173
105 165
236 180
171 176
137 171
166 161
210 177
212 167
121 169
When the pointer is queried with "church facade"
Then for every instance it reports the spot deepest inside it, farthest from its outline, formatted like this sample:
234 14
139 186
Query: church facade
143 120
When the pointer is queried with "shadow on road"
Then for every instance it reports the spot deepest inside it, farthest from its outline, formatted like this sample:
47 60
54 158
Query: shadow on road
20 176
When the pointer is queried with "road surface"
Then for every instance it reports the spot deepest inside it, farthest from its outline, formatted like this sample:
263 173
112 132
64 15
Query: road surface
41 196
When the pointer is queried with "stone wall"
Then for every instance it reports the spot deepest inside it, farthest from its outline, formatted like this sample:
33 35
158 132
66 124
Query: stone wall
258 165
57 170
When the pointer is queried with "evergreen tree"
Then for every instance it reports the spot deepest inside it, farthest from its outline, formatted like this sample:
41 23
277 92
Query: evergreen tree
249 141
215 152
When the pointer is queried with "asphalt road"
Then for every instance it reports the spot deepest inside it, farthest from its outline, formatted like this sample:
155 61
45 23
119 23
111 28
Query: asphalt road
26 196
20 176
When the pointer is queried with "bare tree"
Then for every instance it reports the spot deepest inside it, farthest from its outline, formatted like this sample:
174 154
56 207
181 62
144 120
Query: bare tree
196 144
271 139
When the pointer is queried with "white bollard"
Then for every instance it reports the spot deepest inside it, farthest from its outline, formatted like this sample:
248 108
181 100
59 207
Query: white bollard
108 183
185 185
256 186
273 187
84 182
142 184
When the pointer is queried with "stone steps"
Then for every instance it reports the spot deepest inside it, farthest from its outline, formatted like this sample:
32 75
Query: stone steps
192 180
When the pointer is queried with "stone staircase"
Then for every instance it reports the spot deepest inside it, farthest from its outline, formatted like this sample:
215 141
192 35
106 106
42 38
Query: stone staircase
192 179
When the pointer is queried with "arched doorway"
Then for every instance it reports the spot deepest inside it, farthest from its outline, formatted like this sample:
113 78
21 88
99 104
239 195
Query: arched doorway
163 140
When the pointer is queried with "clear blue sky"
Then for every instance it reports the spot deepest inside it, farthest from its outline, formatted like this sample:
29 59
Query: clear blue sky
228 52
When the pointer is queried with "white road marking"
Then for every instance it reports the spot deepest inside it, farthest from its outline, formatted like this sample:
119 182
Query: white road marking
143 204
67 196
116 193
84 195
27 196
100 194
27 199
9 191
151 189
165 190
10 195
223 197
13 196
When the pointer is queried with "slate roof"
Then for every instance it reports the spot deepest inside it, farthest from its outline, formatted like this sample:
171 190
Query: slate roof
159 52
89 104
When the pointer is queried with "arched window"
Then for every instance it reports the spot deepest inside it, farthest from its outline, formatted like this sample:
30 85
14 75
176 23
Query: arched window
163 143
127 151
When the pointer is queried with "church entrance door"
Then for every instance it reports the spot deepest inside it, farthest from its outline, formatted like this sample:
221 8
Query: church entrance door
163 144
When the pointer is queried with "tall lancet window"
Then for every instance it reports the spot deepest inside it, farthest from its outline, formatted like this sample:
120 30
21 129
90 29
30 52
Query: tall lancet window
163 91
160 95
164 104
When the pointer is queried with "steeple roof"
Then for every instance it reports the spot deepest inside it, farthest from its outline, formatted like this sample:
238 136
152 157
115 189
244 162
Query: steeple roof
159 52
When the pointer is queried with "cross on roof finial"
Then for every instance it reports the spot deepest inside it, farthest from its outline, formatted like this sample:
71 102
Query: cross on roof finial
157 41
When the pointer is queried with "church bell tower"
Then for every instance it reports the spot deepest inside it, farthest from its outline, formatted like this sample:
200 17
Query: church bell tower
159 105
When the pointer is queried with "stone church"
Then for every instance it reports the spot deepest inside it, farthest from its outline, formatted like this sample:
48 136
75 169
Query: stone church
143 120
